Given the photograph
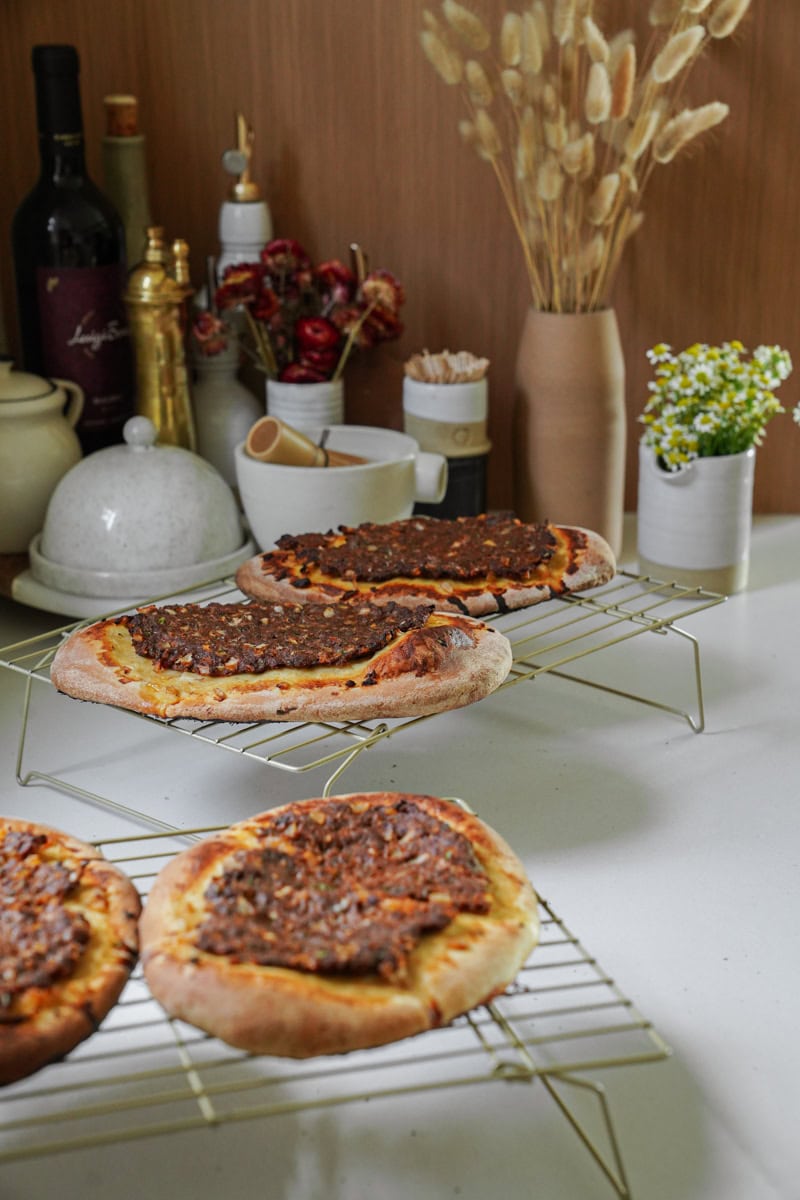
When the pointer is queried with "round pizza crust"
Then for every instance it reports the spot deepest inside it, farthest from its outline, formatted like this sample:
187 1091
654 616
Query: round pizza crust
593 564
46 1023
286 1012
450 662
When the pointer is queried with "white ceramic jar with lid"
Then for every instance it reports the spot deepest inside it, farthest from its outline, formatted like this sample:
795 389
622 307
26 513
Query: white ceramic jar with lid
38 445
138 519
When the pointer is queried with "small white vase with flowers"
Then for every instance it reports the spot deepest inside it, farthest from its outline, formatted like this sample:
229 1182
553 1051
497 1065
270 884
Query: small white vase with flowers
708 410
300 322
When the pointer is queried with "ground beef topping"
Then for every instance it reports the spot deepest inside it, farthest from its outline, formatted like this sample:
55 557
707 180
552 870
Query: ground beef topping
347 888
228 639
494 545
40 940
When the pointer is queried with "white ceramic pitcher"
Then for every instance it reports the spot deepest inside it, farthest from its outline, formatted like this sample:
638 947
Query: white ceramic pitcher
38 445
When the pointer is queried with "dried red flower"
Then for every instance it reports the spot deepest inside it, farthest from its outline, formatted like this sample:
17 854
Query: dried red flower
303 320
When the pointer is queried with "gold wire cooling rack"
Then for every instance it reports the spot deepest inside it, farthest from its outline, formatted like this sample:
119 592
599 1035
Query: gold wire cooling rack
547 639
142 1074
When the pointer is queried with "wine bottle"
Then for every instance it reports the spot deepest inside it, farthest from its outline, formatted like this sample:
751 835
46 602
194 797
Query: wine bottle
69 262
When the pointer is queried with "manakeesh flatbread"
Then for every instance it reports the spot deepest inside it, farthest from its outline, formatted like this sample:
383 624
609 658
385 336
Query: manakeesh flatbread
68 942
329 925
473 565
283 662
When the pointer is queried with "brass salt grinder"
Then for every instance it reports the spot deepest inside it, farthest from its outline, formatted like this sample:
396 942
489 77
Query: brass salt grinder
156 299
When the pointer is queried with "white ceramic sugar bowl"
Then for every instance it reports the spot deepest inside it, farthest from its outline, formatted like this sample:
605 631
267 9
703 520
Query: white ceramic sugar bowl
38 445
137 520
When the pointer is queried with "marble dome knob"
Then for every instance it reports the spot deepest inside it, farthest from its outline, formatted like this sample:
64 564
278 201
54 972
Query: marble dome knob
140 433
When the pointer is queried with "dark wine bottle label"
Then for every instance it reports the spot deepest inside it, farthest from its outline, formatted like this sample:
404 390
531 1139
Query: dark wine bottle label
85 339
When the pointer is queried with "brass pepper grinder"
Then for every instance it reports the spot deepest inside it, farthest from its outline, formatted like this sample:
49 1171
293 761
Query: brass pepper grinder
156 299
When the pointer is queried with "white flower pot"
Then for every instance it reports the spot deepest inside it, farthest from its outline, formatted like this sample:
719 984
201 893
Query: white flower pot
306 406
694 524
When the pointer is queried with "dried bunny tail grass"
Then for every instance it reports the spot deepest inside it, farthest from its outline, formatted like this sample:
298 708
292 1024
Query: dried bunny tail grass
446 61
526 144
635 223
564 21
488 139
590 255
542 19
627 175
478 86
467 25
467 132
578 156
531 54
601 201
642 132
513 86
597 103
686 126
726 16
511 40
623 83
677 52
549 180
695 6
534 230
616 47
431 21
555 132
534 89
595 42
550 102
664 12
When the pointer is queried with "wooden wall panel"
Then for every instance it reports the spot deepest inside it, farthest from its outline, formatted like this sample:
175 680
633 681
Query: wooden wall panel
357 141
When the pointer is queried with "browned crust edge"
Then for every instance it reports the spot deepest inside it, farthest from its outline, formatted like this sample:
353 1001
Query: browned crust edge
268 1010
594 564
467 669
73 1010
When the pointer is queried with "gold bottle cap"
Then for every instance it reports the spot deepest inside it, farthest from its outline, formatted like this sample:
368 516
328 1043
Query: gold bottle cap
152 282
122 116
180 265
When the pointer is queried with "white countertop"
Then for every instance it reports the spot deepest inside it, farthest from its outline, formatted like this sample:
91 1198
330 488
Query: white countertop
672 855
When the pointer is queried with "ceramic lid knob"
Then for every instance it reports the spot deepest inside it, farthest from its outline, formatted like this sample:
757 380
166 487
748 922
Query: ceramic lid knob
140 432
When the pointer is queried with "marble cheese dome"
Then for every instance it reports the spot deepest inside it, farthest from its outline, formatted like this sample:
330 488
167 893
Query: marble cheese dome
139 519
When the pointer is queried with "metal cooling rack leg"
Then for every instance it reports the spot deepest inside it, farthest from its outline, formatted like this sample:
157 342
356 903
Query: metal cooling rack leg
697 725
527 1069
615 1171
25 780
354 753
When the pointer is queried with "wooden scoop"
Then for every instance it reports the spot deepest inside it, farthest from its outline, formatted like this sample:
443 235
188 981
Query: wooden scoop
272 440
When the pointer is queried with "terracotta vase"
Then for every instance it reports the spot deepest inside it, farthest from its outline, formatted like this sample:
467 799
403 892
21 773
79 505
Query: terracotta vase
569 422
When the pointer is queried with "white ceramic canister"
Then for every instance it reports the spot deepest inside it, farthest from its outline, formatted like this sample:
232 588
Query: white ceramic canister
694 524
224 409
306 406
38 445
451 419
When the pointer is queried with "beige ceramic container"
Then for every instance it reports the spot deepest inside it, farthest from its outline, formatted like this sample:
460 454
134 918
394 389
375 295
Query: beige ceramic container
38 445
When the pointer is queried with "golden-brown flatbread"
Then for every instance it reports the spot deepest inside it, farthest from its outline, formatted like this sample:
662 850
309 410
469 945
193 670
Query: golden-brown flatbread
329 925
473 565
279 662
68 942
